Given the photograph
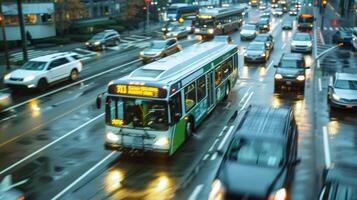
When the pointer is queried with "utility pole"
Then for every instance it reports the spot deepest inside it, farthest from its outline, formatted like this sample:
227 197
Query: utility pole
147 2
22 29
6 51
324 3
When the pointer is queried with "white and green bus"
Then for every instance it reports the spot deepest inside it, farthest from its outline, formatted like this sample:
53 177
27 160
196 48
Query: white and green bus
158 106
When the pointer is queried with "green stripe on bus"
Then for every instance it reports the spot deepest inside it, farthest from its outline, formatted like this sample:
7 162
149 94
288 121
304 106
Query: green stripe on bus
179 134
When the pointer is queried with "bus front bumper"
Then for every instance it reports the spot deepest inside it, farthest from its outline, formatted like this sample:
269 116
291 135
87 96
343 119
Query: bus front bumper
119 147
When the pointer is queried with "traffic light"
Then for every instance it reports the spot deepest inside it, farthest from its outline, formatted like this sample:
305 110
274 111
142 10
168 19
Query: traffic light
324 3
144 7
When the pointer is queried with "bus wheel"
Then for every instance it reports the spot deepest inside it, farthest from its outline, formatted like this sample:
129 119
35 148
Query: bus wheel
189 129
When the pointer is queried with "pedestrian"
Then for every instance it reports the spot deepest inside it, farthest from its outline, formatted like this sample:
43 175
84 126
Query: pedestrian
29 37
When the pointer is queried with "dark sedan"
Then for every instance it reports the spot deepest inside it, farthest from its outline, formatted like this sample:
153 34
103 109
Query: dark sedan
343 37
263 25
267 38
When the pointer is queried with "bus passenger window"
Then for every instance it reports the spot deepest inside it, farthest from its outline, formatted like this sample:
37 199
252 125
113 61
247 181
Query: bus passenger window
218 76
175 105
190 96
230 65
225 70
201 88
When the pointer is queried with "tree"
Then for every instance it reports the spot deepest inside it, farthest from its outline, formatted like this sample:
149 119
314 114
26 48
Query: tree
66 11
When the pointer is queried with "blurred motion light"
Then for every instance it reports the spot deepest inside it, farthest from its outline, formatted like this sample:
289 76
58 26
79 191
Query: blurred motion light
279 195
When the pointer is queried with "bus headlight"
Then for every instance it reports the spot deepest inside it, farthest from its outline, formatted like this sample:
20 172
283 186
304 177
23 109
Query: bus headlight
111 137
300 77
278 76
210 31
188 28
162 141
197 30
7 76
141 53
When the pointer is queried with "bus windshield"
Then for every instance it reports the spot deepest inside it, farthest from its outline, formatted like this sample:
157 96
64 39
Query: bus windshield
306 19
137 113
205 23
172 11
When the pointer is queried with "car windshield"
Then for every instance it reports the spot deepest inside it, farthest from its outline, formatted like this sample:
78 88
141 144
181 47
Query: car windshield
302 37
157 44
248 27
172 11
289 63
346 84
34 65
98 36
137 113
256 151
256 47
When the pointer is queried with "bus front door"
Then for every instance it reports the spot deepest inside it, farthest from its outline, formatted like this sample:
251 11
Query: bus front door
210 86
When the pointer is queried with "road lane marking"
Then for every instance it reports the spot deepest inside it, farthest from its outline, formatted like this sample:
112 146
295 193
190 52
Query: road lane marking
4 89
48 145
84 175
225 137
224 128
212 146
195 192
70 85
214 156
7 118
269 66
326 147
284 45
227 106
320 84
246 102
206 156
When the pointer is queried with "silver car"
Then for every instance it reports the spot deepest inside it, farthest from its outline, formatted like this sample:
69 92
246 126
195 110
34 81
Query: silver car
159 49
301 42
342 91
256 52
177 32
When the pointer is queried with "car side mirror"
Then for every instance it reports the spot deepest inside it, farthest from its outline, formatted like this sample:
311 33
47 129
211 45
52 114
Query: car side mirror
98 101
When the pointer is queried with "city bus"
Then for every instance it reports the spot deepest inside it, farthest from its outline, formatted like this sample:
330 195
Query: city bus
158 106
306 18
216 21
274 3
253 3
181 10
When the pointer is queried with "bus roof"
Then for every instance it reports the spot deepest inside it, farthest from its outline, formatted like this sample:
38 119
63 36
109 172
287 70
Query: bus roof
217 12
307 10
177 66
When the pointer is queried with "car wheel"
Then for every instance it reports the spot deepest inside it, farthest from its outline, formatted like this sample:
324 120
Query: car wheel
227 91
73 75
189 129
42 85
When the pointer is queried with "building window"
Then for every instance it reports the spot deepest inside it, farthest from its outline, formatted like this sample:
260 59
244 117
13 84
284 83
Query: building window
46 18
30 18
190 96
11 20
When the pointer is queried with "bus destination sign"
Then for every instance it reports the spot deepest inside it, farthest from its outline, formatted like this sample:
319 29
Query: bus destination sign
138 90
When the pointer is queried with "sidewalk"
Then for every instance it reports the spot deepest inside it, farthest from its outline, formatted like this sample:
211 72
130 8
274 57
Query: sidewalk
69 47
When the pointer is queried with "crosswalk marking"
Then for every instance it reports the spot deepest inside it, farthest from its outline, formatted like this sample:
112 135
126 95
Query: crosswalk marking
343 28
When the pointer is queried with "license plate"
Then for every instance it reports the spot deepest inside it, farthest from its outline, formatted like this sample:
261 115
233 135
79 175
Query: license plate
349 106
288 82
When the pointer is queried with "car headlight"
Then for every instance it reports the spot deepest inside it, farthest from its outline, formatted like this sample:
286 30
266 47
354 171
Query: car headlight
141 53
335 96
97 43
188 28
29 78
300 77
245 54
278 195
311 25
210 31
169 29
112 137
162 141
175 34
263 54
309 44
158 53
278 76
217 190
7 76
265 26
163 29
197 30
87 43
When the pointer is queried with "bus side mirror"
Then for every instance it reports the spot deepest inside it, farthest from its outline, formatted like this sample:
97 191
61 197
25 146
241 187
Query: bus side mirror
98 101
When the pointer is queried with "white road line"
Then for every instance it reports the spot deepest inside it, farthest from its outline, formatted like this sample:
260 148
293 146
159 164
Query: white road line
246 102
326 147
322 38
212 146
320 84
284 45
331 29
224 128
7 118
214 156
195 192
245 95
225 137
227 106
318 64
70 85
4 89
269 66
84 175
205 157
48 145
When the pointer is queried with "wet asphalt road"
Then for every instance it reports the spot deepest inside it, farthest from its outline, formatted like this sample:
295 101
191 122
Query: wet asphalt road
56 142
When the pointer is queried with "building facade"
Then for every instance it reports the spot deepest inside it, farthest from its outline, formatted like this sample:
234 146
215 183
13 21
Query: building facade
38 18
102 8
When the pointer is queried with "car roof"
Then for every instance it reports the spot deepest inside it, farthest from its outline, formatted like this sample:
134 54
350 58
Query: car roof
264 35
256 43
262 121
346 76
301 33
50 57
343 174
292 56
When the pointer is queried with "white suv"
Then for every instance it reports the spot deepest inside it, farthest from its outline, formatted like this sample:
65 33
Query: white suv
40 72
